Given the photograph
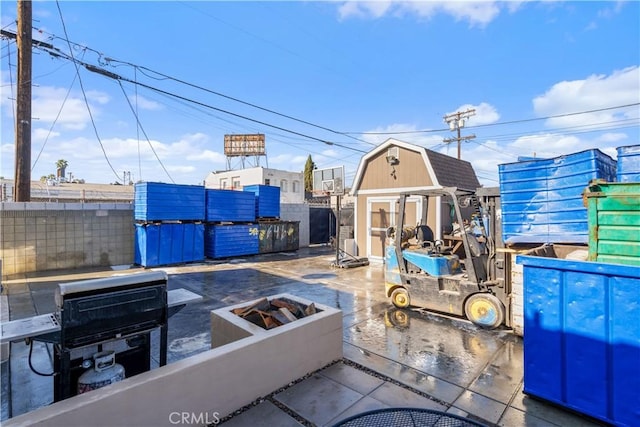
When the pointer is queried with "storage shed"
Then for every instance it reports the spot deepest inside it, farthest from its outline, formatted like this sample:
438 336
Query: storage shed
394 167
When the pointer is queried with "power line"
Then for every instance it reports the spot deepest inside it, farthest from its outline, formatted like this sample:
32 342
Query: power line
84 95
111 75
456 122
13 106
268 110
573 129
497 123
115 76
240 115
558 115
109 60
135 114
64 101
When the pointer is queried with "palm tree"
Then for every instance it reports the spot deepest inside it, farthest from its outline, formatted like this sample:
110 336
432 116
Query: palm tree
62 166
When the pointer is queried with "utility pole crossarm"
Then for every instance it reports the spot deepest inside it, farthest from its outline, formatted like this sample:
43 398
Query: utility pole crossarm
456 122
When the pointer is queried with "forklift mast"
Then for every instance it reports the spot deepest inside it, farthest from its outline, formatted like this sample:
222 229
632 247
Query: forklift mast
476 257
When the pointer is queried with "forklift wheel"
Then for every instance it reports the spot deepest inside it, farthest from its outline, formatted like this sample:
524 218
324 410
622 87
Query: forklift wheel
400 298
484 310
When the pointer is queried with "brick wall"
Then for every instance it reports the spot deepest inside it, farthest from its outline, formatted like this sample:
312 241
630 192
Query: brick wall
53 236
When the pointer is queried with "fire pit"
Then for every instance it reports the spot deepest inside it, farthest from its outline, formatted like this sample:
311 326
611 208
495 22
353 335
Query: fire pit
269 314
281 314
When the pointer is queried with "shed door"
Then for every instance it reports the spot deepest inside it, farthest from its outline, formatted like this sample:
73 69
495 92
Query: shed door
381 214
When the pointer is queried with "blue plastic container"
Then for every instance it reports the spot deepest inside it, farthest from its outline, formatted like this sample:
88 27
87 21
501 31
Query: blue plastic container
156 201
267 200
168 243
628 164
224 241
230 206
542 201
582 336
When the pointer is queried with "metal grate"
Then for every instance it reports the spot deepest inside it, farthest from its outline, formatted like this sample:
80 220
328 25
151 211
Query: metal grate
406 417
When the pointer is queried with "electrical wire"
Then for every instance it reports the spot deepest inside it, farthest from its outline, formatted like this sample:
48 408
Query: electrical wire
115 76
510 136
202 104
498 123
109 60
13 102
187 100
84 95
143 132
64 101
138 130
231 98
165 77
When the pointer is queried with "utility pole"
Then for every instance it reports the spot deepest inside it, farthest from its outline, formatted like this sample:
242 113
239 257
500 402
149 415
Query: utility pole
22 183
456 122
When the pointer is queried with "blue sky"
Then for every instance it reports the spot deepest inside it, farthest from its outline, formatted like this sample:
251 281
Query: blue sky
355 70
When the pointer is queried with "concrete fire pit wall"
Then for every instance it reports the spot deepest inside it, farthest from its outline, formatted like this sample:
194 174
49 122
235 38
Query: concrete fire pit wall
203 388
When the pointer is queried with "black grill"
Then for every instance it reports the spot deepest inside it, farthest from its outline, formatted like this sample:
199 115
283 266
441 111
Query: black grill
94 312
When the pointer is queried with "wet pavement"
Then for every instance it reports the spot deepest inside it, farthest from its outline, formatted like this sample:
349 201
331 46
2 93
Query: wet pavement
392 357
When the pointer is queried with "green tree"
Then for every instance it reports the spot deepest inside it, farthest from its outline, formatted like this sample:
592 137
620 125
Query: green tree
309 166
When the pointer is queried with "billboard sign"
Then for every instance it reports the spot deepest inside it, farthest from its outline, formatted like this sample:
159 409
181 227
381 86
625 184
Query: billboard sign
244 145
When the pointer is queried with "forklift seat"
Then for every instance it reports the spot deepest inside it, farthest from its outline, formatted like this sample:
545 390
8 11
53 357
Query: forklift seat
424 236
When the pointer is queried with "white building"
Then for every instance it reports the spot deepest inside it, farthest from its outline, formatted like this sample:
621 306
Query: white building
291 183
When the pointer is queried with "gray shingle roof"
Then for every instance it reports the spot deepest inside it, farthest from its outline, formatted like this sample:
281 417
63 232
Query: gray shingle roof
452 172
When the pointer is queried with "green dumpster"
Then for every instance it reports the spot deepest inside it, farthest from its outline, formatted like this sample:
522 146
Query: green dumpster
614 222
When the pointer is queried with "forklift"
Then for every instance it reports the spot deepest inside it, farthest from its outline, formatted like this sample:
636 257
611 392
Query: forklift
466 279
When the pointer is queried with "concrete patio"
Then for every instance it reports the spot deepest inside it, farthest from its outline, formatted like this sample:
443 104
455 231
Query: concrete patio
391 358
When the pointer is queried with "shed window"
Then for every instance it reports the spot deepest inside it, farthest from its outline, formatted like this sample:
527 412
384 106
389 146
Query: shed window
284 186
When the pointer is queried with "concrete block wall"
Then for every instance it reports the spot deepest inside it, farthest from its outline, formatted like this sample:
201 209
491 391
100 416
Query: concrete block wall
297 212
40 236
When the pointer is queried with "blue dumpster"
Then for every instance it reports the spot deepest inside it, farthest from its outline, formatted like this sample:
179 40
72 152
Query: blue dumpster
582 336
168 243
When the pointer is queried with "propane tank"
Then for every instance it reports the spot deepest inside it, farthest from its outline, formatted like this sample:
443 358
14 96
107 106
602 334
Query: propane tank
105 371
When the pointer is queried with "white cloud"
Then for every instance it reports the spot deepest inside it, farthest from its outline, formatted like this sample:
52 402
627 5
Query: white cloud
291 161
612 137
144 103
374 9
212 157
422 139
476 12
622 87
97 96
591 26
181 168
610 11
484 113
545 145
49 103
8 148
